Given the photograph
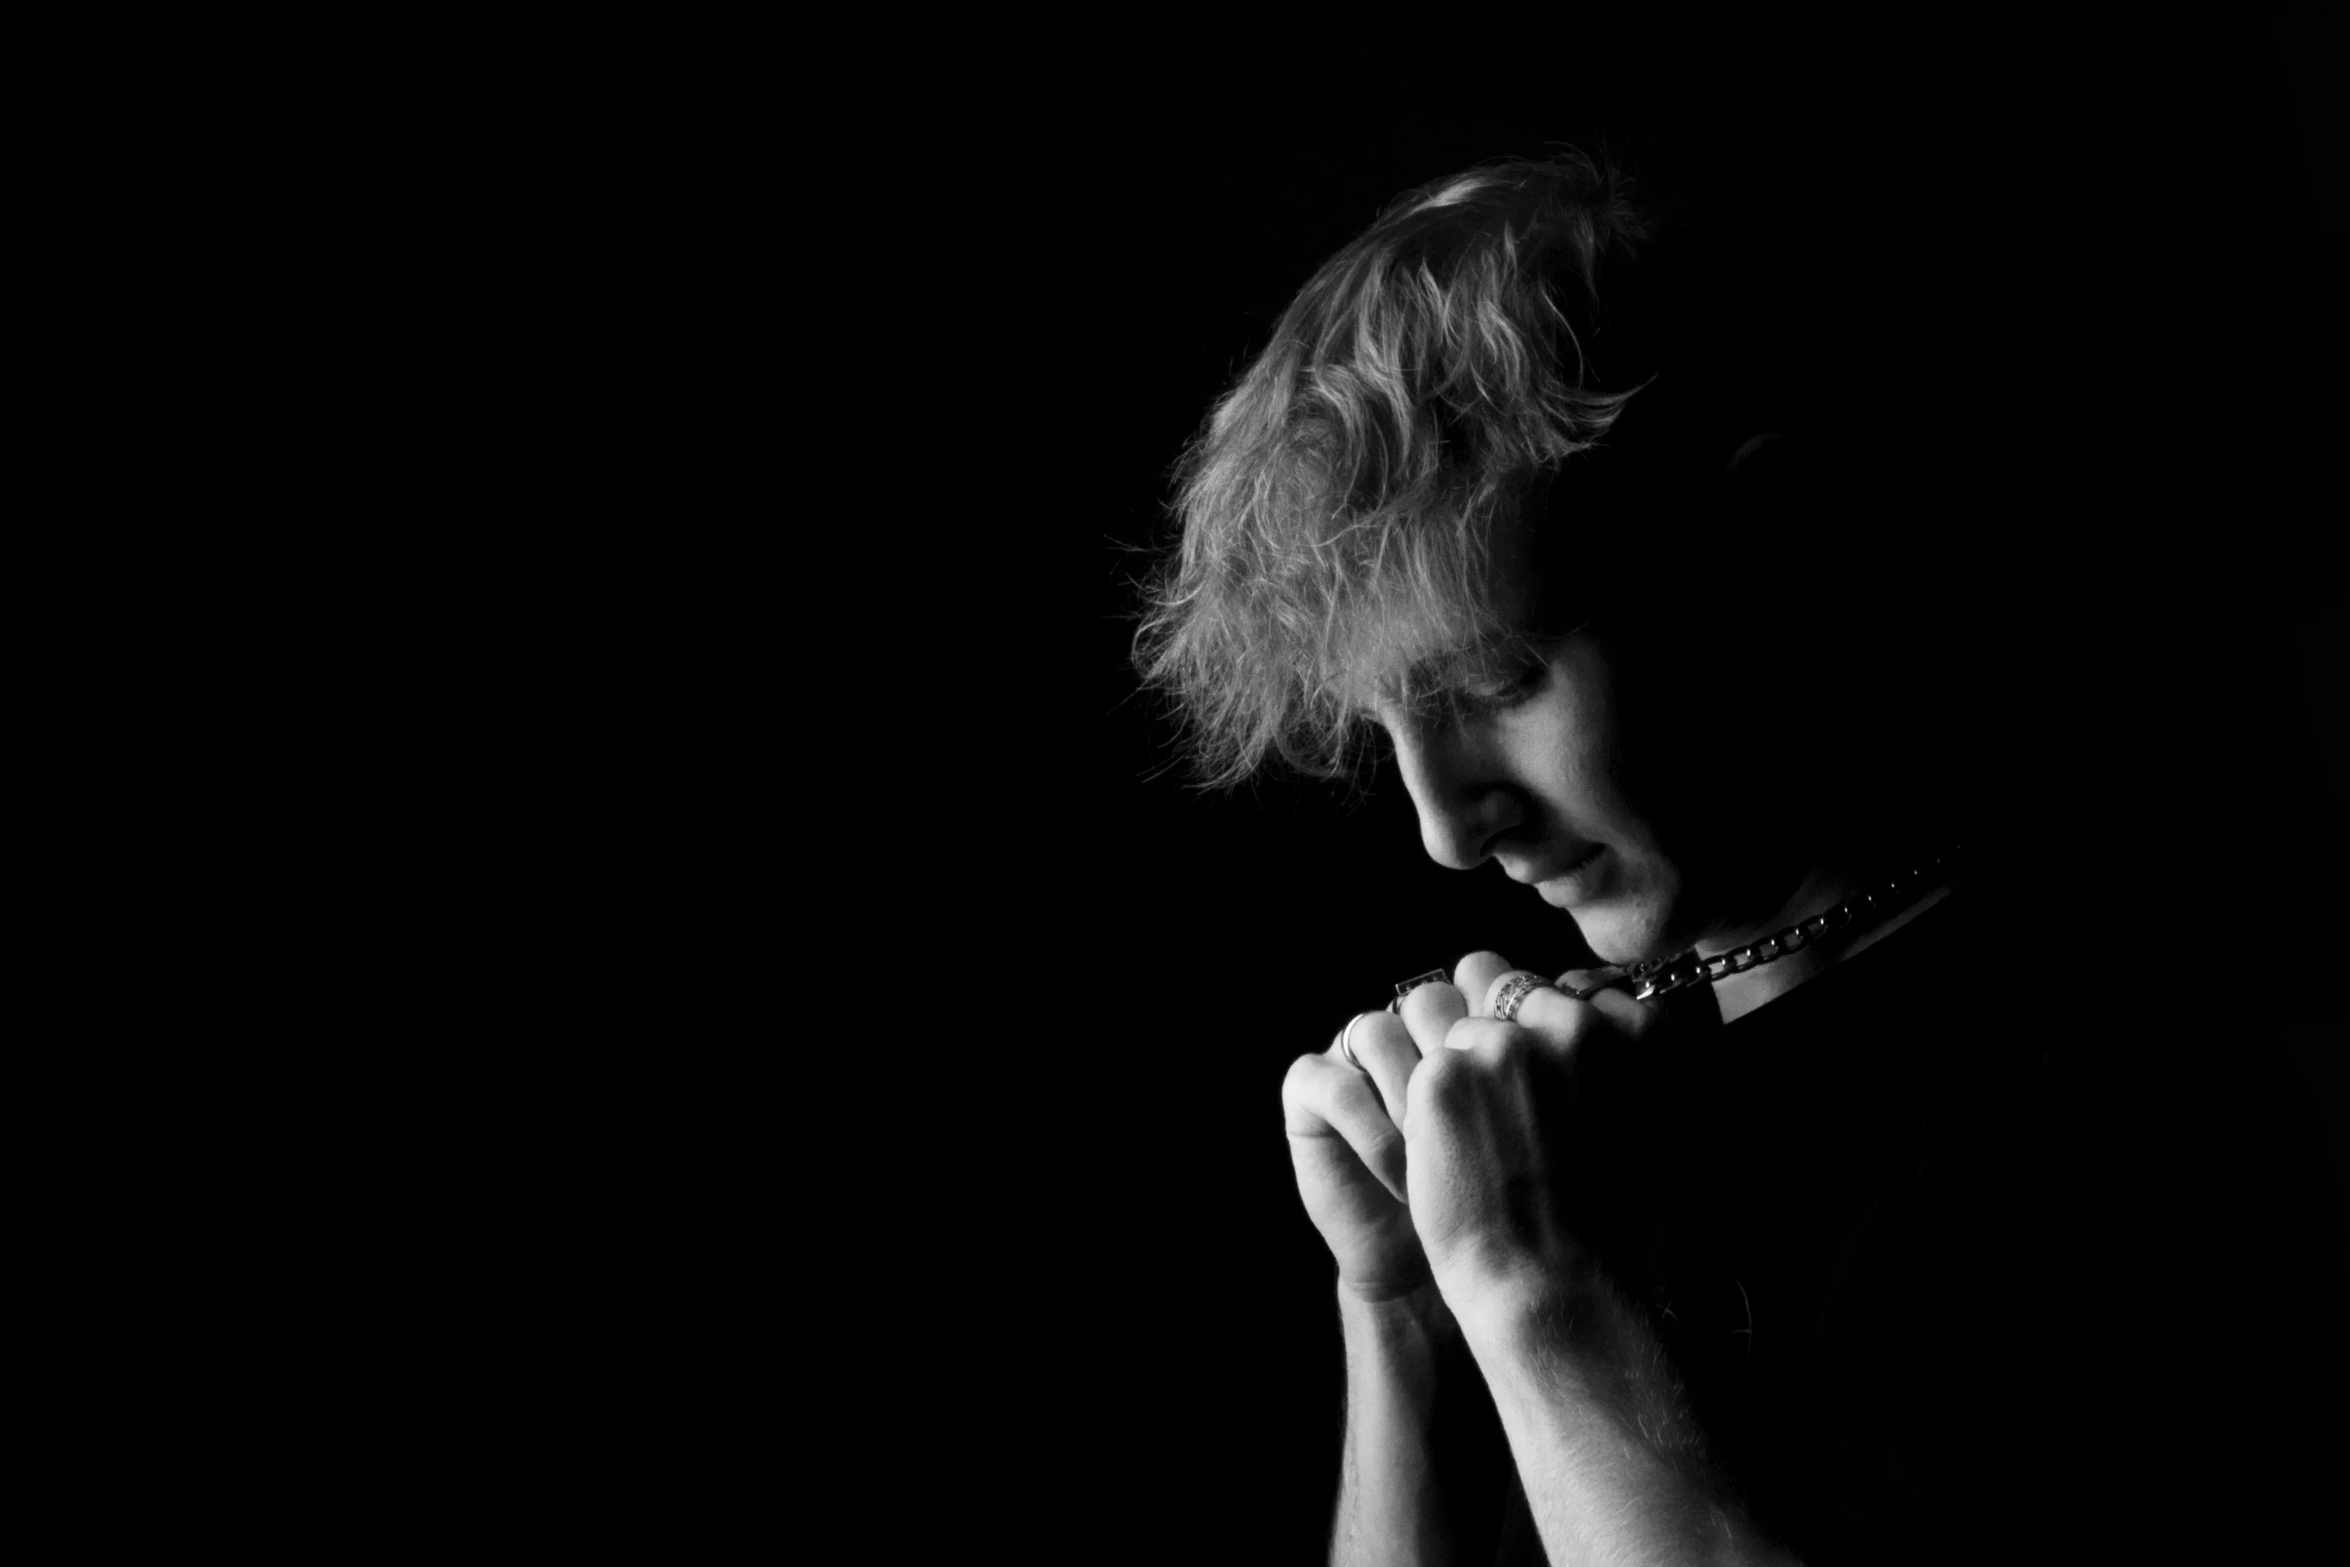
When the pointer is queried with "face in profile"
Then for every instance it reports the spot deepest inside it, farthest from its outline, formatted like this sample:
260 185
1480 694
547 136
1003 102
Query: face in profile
1588 784
1529 771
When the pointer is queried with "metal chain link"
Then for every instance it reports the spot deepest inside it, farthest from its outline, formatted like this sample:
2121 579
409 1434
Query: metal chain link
1670 974
1666 975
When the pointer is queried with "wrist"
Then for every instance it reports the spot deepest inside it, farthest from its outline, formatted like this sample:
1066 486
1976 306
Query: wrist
1387 1312
1407 1337
1526 1310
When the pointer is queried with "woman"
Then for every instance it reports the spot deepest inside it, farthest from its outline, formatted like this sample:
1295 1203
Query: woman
1796 1228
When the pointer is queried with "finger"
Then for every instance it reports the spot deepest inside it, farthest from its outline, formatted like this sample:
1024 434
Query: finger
1429 1011
1491 1006
1386 1050
1635 1018
1562 1023
1473 977
1481 1036
1323 1097
1556 1018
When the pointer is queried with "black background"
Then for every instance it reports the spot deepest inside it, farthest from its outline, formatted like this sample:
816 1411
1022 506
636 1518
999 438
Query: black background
1058 1206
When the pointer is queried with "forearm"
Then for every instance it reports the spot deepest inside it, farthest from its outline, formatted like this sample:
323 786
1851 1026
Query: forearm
1610 1459
1405 1481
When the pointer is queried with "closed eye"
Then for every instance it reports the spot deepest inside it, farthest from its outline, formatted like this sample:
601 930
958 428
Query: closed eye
1510 689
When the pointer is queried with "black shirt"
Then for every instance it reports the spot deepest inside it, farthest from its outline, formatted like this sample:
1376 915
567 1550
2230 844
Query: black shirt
1964 1257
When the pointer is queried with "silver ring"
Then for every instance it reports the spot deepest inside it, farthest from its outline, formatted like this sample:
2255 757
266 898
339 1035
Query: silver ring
1516 986
1434 976
1346 1048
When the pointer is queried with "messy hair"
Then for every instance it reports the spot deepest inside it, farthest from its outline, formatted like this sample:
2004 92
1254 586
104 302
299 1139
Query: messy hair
1337 510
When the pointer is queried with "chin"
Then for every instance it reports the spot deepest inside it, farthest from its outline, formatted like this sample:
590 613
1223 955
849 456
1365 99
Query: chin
1637 915
1625 932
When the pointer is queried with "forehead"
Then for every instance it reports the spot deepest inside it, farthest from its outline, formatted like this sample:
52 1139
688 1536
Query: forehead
1411 606
1402 646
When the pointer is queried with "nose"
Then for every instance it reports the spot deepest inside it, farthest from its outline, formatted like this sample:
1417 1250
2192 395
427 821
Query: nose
1464 799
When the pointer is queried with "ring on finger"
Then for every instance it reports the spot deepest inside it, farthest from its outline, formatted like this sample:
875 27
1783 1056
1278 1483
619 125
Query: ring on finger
1513 989
1346 1047
1434 976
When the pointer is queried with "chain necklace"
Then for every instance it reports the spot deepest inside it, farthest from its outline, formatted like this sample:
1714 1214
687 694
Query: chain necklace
1881 901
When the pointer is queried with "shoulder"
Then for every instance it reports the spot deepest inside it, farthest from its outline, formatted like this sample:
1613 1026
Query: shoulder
2109 1262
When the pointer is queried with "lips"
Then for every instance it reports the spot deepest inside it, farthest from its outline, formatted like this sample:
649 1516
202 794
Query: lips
1572 881
1578 863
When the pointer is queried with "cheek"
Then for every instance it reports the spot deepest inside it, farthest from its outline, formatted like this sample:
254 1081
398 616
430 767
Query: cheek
1586 771
1667 767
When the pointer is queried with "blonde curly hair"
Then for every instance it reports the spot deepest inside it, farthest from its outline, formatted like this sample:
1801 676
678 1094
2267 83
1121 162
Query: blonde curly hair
1337 510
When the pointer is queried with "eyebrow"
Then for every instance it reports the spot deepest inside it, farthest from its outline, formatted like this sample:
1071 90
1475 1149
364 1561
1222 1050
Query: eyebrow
1448 669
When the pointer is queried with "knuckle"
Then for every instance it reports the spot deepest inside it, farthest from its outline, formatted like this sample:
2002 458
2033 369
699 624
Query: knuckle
1434 1075
1473 964
1570 1013
1429 995
1551 1012
1529 999
1303 1073
1471 1032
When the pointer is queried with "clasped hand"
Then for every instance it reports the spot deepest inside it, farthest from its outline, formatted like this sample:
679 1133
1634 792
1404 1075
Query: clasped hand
1439 1162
